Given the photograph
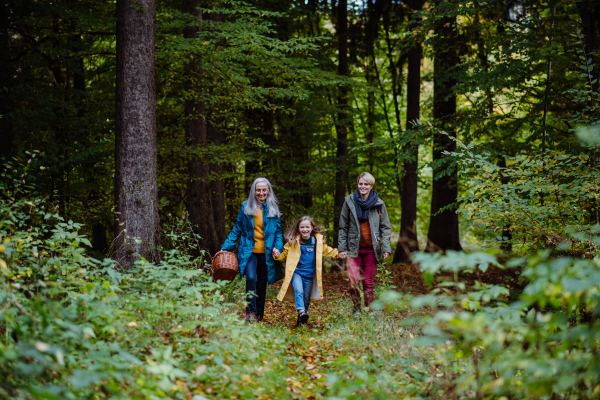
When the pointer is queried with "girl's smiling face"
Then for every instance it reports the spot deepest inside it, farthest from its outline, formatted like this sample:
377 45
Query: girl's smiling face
305 229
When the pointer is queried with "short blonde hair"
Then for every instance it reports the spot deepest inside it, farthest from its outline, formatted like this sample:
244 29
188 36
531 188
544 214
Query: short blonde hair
370 179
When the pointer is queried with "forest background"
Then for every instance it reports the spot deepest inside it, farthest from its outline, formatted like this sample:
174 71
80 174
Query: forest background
308 94
130 132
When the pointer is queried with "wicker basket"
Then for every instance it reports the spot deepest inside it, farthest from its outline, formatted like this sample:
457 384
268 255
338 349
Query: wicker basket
224 266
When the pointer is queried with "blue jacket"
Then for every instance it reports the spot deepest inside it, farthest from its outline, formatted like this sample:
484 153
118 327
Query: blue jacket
244 232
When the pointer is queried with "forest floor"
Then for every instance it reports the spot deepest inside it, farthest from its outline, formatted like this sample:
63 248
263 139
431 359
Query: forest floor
335 356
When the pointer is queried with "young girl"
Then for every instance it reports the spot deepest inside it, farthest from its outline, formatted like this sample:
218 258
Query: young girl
304 251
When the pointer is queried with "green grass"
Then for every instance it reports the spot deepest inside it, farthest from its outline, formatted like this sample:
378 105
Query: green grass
334 356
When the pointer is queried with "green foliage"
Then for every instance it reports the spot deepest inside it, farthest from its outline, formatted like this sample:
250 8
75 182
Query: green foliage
543 343
536 201
73 326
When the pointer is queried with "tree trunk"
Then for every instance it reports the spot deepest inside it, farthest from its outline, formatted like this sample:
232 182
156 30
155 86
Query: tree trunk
341 175
396 69
232 195
218 189
137 225
99 239
6 72
443 226
588 20
218 137
373 12
505 245
199 188
407 240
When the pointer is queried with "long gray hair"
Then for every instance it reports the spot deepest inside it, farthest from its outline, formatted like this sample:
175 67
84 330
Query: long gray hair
272 202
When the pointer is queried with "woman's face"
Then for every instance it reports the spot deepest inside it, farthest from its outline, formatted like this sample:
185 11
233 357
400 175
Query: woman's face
305 229
363 187
261 191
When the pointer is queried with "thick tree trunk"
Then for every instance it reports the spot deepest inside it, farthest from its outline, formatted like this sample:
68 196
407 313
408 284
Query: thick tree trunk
407 240
443 226
137 225
341 175
199 188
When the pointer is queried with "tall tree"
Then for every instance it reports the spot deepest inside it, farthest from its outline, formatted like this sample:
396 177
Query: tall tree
199 188
407 240
588 14
341 174
136 188
443 225
373 13
218 137
6 74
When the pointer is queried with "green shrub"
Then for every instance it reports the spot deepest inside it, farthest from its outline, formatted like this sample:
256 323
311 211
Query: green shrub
72 326
545 343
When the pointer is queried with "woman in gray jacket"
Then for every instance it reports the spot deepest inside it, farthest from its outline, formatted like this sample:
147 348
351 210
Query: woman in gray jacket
364 237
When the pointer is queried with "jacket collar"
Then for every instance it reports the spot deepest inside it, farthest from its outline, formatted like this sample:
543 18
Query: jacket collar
351 206
317 236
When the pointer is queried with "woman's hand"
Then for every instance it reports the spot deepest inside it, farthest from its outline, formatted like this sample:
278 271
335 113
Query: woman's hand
386 255
343 254
276 253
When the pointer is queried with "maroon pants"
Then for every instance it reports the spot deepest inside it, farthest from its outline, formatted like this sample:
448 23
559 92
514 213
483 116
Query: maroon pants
362 268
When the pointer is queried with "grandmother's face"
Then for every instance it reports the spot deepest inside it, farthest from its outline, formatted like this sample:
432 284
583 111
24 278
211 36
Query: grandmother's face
261 191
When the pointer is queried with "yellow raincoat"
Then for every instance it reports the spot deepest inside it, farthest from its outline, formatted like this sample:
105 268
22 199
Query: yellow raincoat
292 251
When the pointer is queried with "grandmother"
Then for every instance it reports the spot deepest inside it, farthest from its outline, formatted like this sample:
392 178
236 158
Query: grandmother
258 229
364 237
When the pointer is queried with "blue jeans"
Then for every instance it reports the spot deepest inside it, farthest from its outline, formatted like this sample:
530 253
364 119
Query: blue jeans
302 288
256 284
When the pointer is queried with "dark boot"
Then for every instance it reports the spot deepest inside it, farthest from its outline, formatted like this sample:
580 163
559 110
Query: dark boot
302 318
356 310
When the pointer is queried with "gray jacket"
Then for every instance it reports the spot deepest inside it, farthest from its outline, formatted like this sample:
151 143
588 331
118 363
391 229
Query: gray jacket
381 230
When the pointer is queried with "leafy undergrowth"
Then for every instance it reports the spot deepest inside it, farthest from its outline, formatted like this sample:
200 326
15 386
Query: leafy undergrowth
73 327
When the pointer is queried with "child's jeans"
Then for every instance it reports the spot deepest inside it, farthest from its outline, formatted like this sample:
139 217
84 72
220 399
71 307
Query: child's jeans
302 288
366 262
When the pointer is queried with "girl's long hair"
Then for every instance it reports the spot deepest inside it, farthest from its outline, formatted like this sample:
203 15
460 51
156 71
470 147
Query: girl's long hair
292 231
272 202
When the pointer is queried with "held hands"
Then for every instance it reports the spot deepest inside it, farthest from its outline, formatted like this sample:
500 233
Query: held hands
276 253
386 255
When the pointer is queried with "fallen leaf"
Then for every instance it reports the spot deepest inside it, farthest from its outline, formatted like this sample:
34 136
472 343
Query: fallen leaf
200 370
41 346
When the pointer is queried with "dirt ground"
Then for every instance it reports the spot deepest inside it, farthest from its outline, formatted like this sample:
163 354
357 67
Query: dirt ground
406 278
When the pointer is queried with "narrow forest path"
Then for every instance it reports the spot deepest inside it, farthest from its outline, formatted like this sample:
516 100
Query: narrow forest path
334 356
